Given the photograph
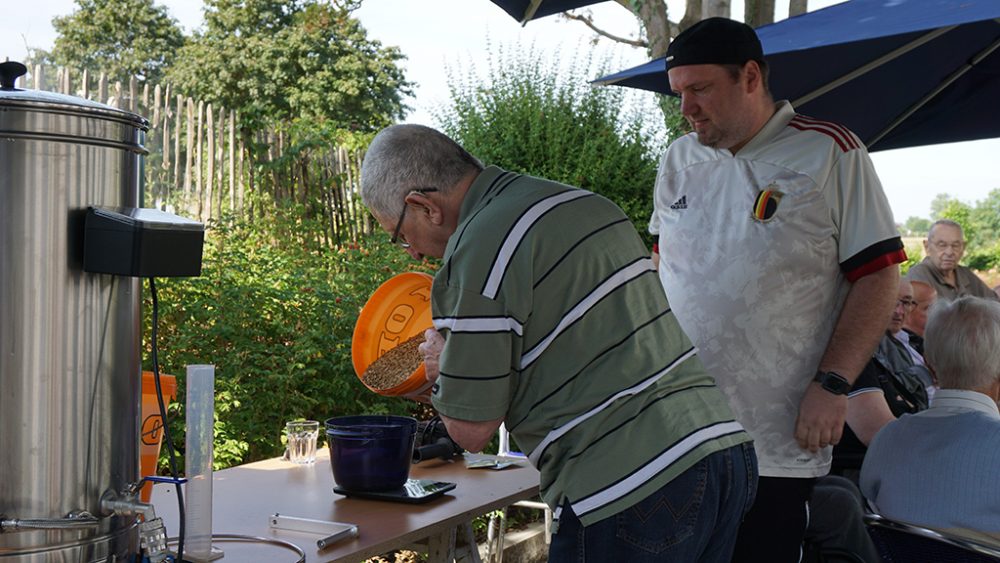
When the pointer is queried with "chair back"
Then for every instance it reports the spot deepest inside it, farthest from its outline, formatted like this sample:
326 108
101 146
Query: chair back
900 542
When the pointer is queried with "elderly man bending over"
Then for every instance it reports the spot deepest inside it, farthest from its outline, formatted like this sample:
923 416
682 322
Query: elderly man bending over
552 320
937 468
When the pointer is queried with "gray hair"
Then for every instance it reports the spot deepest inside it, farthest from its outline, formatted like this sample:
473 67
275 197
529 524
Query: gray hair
408 157
946 223
961 342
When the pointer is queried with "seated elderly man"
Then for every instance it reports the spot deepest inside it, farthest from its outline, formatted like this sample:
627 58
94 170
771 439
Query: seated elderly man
911 336
938 468
944 246
913 328
890 385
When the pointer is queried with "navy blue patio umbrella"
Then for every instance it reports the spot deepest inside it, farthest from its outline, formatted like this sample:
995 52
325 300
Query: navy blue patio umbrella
899 73
527 10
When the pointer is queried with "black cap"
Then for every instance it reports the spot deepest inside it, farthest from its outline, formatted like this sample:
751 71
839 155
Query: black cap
715 41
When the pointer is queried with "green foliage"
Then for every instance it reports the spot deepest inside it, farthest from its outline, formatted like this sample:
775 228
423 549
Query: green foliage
277 61
122 38
914 254
939 203
275 315
535 117
960 213
986 218
916 226
984 257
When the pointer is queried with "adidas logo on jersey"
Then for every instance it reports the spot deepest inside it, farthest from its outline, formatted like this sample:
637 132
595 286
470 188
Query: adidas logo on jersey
681 203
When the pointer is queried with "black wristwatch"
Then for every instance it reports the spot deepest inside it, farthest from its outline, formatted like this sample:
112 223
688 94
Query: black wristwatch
833 382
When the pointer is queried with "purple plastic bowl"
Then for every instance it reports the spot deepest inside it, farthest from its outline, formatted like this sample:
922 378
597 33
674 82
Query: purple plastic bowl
371 452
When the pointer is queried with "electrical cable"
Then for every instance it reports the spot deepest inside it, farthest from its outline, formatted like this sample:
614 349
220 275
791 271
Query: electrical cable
171 454
92 417
257 539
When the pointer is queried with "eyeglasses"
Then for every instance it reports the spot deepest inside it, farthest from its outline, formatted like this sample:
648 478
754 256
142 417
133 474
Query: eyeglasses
907 304
397 237
942 246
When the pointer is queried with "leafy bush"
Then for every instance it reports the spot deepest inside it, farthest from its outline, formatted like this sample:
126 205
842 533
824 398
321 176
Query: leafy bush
537 118
274 312
914 254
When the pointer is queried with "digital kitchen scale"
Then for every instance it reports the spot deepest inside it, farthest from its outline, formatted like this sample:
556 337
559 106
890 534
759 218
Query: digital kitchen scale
415 491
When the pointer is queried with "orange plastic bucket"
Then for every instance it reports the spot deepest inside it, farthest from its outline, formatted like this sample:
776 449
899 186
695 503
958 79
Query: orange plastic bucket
151 435
398 310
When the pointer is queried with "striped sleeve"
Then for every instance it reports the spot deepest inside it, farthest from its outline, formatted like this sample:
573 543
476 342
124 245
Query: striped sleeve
874 258
480 337
866 231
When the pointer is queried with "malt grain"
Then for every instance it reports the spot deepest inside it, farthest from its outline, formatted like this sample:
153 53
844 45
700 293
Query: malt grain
395 366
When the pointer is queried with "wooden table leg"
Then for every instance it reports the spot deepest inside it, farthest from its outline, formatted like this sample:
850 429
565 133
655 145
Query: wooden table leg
469 553
444 548
441 547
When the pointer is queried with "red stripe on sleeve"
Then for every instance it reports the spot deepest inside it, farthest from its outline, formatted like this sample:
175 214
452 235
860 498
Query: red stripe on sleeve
884 261
833 135
846 135
656 248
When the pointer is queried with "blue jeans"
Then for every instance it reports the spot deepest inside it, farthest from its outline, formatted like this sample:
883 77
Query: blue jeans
692 518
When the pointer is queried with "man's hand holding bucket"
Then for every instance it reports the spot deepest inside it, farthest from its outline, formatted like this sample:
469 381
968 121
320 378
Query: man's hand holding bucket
431 350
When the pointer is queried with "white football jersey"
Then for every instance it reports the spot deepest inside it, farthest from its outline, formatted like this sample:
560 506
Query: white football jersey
758 251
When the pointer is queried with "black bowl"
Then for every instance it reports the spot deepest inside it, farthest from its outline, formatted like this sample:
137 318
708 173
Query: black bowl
371 452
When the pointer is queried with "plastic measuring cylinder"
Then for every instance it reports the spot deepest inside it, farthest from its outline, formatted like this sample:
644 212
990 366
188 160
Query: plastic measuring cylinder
199 411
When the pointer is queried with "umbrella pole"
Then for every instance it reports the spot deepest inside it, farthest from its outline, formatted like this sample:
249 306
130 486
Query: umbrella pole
933 93
872 65
530 12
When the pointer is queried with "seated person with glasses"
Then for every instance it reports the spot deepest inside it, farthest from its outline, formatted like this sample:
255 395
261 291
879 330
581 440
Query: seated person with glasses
938 468
944 247
913 329
890 385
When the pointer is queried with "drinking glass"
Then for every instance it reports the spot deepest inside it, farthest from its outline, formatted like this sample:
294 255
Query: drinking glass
301 441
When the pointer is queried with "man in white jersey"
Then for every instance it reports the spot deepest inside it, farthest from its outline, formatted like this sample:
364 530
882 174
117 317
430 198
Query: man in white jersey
778 251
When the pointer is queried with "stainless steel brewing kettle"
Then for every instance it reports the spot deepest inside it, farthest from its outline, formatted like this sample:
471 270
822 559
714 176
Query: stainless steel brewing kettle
69 340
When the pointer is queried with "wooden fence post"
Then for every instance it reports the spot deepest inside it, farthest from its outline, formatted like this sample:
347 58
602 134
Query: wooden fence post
198 163
232 162
210 158
189 155
178 117
132 88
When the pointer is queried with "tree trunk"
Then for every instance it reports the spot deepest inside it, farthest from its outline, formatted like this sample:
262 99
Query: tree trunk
692 13
715 8
796 7
657 26
758 12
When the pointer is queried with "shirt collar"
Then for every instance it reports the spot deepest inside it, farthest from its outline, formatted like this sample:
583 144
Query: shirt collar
783 113
963 400
475 197
477 191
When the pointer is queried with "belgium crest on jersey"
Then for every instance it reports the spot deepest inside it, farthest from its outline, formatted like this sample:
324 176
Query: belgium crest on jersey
765 205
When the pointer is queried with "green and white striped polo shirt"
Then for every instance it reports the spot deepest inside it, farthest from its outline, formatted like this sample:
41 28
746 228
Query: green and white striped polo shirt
555 320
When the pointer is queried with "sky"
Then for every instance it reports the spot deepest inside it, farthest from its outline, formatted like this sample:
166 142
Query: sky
439 36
